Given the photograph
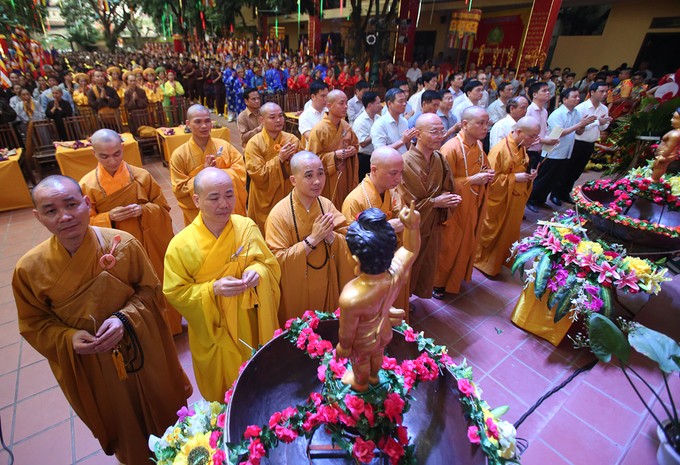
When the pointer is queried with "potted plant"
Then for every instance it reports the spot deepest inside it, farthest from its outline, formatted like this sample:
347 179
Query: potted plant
606 339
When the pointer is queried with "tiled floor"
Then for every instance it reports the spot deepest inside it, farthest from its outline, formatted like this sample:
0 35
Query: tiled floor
595 420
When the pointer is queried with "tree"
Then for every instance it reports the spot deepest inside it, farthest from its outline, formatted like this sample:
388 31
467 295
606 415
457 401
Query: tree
23 13
80 24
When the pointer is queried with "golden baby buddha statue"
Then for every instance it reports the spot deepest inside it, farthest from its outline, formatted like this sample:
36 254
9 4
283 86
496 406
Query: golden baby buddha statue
669 148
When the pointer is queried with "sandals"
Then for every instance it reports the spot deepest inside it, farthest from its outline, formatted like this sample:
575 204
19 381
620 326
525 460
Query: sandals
438 293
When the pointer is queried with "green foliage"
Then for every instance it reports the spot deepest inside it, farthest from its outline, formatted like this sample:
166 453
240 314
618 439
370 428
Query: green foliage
523 258
80 24
24 13
542 275
606 339
657 347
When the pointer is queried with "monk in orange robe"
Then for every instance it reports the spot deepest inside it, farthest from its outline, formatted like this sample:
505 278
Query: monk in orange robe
268 156
127 198
376 190
466 157
506 196
427 180
88 300
202 151
306 233
334 141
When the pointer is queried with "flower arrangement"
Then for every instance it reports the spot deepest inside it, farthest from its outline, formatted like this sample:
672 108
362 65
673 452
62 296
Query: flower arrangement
168 131
359 423
578 274
637 183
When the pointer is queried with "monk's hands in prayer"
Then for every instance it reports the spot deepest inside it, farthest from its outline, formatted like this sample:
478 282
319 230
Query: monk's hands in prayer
123 213
526 177
229 286
287 151
483 177
446 200
409 217
84 343
250 278
109 335
408 136
322 228
210 161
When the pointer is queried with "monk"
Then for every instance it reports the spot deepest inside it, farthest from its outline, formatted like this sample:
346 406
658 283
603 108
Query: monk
334 141
307 234
427 180
128 198
224 280
89 301
466 157
377 190
268 156
506 196
200 152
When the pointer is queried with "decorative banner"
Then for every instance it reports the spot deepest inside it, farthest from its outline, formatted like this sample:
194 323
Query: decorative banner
463 28
403 49
314 31
501 37
178 43
537 37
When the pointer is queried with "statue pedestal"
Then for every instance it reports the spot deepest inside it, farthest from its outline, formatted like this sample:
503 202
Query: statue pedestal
533 316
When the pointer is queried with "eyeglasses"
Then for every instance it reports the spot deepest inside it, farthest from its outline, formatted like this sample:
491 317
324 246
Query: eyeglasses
434 132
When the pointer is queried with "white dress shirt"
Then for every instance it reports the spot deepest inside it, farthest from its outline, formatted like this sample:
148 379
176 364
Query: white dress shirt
564 119
386 131
354 108
362 128
416 101
496 111
461 104
308 119
500 130
592 131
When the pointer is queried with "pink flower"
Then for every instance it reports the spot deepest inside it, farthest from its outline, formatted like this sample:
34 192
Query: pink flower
316 398
289 323
408 370
394 405
185 412
219 457
628 280
346 420
284 434
410 335
328 414
552 243
354 405
363 450
227 396
336 313
393 449
288 412
446 360
221 420
466 387
252 431
321 373
257 451
402 435
312 420
337 367
573 238
309 314
242 367
492 428
389 363
214 437
473 435
368 413
275 419
607 272
278 332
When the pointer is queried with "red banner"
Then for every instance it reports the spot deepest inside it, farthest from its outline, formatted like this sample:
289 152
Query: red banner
538 34
314 35
498 40
404 48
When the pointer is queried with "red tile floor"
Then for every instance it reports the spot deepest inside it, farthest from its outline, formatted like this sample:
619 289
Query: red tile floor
595 420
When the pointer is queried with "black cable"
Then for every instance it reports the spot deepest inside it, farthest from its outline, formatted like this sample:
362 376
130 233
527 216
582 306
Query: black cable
4 446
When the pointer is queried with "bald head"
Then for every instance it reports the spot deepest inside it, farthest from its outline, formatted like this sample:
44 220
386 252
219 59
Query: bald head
335 95
40 192
473 113
427 120
301 160
528 123
384 155
268 108
196 110
104 136
386 168
209 177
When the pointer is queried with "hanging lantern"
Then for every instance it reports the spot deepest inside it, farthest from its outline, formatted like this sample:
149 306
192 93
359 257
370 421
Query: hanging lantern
463 28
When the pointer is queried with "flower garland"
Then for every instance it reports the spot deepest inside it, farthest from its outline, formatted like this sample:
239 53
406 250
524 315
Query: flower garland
375 417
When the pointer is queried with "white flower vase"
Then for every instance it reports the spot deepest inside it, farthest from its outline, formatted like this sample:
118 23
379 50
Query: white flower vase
665 454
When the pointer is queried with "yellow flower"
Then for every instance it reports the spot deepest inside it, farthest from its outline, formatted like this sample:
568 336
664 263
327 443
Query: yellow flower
196 451
589 247
564 231
641 267
675 185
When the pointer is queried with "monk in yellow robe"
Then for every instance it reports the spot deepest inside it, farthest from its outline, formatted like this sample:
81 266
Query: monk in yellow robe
200 152
126 197
307 234
222 277
468 162
89 301
506 196
334 141
427 181
153 89
80 94
376 190
268 156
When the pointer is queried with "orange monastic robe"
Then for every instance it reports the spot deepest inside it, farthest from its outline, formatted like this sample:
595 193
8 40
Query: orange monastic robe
421 182
269 178
504 206
366 196
57 294
461 230
153 229
314 281
341 175
188 160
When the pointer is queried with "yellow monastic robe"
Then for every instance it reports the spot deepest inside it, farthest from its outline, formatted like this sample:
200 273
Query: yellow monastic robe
421 182
366 196
57 294
504 206
341 176
80 98
269 178
153 229
462 228
195 260
154 92
314 281
188 160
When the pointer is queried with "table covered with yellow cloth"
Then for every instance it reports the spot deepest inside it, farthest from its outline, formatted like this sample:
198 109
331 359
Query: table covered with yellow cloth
533 316
76 163
170 143
15 193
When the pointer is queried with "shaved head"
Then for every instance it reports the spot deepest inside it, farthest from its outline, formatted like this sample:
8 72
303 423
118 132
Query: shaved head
214 196
335 95
195 110
386 168
104 136
472 113
269 107
426 120
208 177
298 161
383 155
528 123
56 181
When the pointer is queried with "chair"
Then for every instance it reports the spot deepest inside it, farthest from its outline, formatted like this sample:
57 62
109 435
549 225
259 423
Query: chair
40 149
138 118
175 114
110 120
79 127
10 139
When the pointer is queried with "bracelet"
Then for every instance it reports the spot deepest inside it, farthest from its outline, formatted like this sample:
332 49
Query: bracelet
309 244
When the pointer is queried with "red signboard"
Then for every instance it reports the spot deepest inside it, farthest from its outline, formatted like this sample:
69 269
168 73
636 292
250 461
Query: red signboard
539 32
498 39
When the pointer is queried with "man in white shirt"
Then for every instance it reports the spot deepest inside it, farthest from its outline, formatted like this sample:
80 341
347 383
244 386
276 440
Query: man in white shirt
540 96
456 82
362 128
392 128
354 105
584 144
484 79
497 110
473 94
403 85
429 83
516 108
413 74
314 113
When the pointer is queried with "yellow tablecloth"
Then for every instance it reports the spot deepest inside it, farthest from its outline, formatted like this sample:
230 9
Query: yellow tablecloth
533 316
76 163
292 115
15 193
170 143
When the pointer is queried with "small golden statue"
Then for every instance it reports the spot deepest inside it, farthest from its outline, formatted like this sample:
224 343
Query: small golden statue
668 150
366 316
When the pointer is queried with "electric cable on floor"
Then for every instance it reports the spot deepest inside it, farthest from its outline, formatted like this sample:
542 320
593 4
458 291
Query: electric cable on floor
4 446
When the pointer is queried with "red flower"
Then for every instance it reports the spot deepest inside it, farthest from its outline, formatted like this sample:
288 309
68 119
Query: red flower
347 420
408 369
492 428
363 450
410 335
288 412
284 434
338 367
446 360
257 451
221 420
289 323
368 413
275 419
316 398
252 431
312 420
393 449
573 238
389 363
354 405
473 434
336 313
321 373
394 405
219 457
328 414
227 396
466 387
214 437
402 435
278 332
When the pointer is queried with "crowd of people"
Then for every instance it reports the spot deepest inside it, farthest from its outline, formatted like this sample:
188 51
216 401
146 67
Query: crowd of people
264 230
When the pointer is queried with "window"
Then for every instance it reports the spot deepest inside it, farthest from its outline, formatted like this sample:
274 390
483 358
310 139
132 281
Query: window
583 20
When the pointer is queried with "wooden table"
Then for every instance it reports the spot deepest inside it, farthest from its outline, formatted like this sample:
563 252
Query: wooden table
168 144
76 163
15 193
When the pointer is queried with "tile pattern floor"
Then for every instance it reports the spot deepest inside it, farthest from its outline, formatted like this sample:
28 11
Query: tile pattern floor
595 420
